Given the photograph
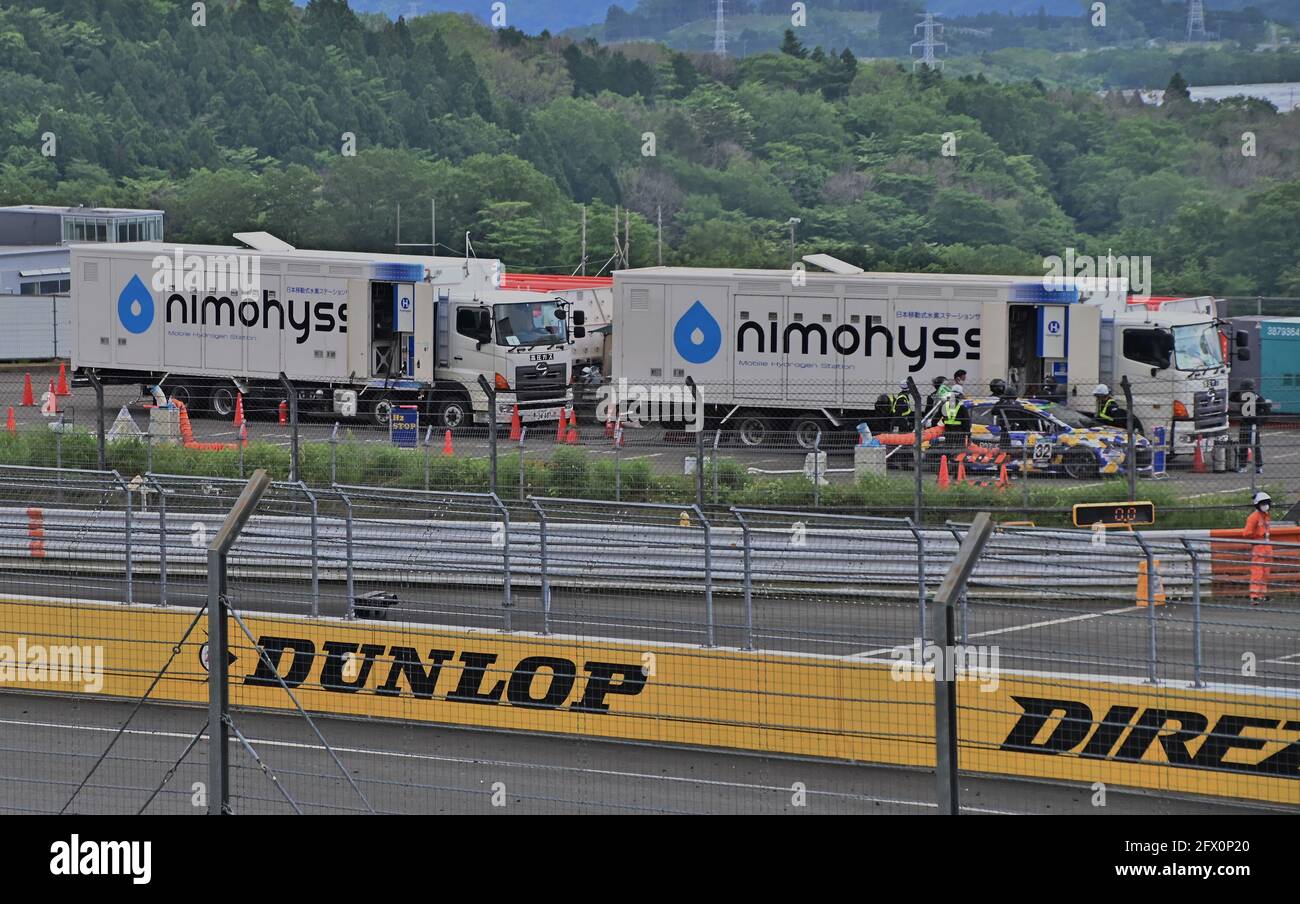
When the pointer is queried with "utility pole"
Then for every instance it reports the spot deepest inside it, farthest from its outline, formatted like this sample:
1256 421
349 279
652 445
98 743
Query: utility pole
659 220
627 237
792 222
930 29
433 227
719 31
618 248
399 227
1196 21
583 263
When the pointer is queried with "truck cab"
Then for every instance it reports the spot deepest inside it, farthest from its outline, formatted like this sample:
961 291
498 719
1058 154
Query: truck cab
1173 356
520 341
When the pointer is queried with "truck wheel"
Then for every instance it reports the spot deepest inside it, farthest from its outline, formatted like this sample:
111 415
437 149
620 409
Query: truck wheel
1080 464
752 429
805 431
454 414
381 412
183 394
222 401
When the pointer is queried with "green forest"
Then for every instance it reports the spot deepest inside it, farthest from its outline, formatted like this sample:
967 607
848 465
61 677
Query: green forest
315 123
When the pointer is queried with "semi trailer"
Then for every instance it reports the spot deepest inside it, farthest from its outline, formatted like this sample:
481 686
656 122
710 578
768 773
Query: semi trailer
772 351
355 333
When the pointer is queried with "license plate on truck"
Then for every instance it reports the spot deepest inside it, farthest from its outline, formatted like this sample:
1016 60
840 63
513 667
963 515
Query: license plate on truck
533 415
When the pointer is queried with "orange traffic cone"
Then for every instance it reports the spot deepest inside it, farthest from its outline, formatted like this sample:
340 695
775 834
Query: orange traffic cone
243 434
1198 460
10 423
284 412
571 438
54 400
446 444
239 410
1003 481
961 468
63 389
609 426
29 399
945 480
560 425
516 426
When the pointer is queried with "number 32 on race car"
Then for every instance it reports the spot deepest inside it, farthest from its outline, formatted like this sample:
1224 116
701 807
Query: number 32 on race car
1042 452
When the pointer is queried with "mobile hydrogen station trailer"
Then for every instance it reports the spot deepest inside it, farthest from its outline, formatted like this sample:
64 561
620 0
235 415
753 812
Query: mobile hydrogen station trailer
356 333
783 350
1271 347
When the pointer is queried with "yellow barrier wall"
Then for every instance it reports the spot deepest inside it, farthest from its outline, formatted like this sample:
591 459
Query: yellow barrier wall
1222 743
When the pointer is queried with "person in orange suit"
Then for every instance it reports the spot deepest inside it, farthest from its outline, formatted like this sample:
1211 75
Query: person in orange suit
1261 553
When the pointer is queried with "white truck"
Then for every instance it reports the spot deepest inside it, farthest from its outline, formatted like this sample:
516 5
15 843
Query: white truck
356 333
800 351
1174 354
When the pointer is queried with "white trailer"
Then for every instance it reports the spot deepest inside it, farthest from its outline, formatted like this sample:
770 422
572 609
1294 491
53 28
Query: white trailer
354 332
802 351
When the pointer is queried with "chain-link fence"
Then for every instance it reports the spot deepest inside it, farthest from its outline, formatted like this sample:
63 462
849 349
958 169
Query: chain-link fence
759 659
1036 458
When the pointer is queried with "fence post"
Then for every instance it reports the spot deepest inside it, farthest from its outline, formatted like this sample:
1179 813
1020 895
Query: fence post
315 545
1130 455
1196 612
920 574
747 552
219 644
1151 606
347 528
428 444
945 685
699 445
293 422
918 444
99 419
130 564
491 392
964 601
162 539
523 431
545 574
717 435
618 458
708 572
334 454
817 474
148 453
506 602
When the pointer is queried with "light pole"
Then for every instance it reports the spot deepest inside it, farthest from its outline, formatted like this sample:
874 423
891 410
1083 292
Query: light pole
792 222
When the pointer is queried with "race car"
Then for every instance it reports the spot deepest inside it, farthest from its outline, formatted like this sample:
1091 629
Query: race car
1034 436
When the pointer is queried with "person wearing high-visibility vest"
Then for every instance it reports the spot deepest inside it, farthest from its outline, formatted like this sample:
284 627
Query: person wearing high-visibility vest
1261 553
955 418
901 408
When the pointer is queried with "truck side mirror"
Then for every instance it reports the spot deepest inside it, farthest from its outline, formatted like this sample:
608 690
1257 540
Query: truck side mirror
1242 338
579 332
1243 354
579 318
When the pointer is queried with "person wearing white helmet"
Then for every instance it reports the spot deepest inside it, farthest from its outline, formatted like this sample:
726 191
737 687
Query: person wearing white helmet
1109 412
1258 529
954 415
901 408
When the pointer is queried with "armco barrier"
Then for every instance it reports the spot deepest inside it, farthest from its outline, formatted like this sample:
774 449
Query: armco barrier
1221 741
1232 561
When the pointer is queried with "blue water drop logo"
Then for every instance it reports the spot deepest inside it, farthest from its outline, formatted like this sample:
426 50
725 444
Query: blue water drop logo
135 306
697 335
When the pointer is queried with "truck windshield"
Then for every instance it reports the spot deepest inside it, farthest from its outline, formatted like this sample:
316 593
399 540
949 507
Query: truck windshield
1197 347
529 323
